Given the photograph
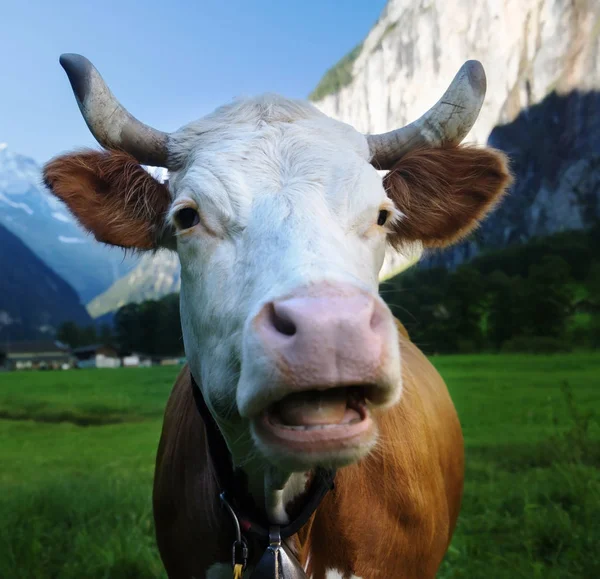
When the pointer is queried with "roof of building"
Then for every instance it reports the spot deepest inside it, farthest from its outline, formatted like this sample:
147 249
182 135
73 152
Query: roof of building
38 358
94 348
34 347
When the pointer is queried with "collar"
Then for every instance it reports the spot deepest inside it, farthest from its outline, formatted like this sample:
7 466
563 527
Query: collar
234 487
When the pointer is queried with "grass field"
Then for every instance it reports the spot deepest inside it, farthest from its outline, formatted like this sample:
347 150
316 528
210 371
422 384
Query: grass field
77 451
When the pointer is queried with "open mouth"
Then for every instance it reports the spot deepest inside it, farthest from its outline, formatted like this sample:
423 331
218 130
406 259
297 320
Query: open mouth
317 409
319 420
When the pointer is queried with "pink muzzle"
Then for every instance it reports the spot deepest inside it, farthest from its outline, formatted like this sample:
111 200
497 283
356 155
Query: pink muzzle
325 336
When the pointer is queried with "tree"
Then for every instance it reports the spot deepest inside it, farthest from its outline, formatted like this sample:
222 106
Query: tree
593 284
149 338
549 297
88 336
593 287
75 336
127 327
417 298
69 333
106 336
466 303
152 327
501 308
169 335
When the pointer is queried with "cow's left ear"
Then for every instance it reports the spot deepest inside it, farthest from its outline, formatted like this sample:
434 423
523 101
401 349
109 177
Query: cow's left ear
112 196
444 193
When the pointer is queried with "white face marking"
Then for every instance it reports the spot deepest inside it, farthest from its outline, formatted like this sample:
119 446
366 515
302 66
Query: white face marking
286 197
333 574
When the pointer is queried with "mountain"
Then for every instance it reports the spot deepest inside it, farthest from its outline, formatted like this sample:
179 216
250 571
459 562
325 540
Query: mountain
528 48
156 275
43 223
34 300
541 59
541 107
554 147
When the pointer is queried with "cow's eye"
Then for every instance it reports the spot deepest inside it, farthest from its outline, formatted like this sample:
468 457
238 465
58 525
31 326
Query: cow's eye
187 218
383 216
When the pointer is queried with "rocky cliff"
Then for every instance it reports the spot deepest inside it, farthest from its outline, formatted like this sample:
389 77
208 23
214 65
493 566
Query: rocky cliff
529 48
554 148
542 59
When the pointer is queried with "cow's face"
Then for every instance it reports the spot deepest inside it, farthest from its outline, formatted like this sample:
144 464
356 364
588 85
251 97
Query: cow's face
281 224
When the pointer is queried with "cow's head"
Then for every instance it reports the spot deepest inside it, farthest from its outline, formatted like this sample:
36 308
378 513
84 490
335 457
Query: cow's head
281 221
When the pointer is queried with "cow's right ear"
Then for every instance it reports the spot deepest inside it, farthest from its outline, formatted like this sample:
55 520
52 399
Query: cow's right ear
112 196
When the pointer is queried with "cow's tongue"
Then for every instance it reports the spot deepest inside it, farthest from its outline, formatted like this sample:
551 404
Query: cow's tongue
315 408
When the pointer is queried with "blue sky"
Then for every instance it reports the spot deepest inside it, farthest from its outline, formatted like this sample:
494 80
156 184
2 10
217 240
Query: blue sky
168 61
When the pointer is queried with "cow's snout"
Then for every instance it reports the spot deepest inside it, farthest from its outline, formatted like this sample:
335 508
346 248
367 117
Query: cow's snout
326 336
315 363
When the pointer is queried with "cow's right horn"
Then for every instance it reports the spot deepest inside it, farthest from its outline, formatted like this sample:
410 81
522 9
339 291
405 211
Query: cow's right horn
446 123
110 123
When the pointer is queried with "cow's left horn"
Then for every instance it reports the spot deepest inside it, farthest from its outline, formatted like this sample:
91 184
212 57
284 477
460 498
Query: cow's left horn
108 120
446 123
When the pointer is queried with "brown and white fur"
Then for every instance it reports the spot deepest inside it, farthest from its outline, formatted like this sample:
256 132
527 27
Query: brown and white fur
274 207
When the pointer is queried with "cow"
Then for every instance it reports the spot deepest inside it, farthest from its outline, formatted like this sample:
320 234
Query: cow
307 430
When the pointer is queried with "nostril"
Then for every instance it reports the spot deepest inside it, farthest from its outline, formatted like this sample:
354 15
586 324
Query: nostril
378 316
280 321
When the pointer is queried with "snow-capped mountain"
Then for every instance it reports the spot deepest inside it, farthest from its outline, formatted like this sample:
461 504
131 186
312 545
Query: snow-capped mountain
44 224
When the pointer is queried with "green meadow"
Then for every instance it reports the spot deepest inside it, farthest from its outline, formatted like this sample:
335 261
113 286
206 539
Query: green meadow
77 453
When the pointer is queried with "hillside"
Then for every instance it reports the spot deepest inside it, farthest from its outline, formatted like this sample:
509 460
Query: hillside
155 276
34 300
542 295
49 230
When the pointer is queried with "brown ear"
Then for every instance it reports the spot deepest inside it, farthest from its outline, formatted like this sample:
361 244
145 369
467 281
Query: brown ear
444 193
111 195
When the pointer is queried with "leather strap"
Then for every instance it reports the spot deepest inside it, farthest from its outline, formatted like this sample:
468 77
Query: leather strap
234 484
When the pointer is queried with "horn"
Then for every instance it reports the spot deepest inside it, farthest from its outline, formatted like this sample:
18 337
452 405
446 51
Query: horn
110 123
446 123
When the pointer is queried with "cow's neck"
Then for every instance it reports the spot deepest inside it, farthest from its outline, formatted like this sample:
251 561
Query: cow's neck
271 489
276 490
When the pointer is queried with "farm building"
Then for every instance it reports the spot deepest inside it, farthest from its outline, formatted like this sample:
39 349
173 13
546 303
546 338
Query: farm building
36 355
168 361
134 359
96 356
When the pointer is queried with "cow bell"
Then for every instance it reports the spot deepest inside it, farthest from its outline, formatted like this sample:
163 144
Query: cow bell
278 562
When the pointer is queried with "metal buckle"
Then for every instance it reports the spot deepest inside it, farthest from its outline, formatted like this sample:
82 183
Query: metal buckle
239 549
239 555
